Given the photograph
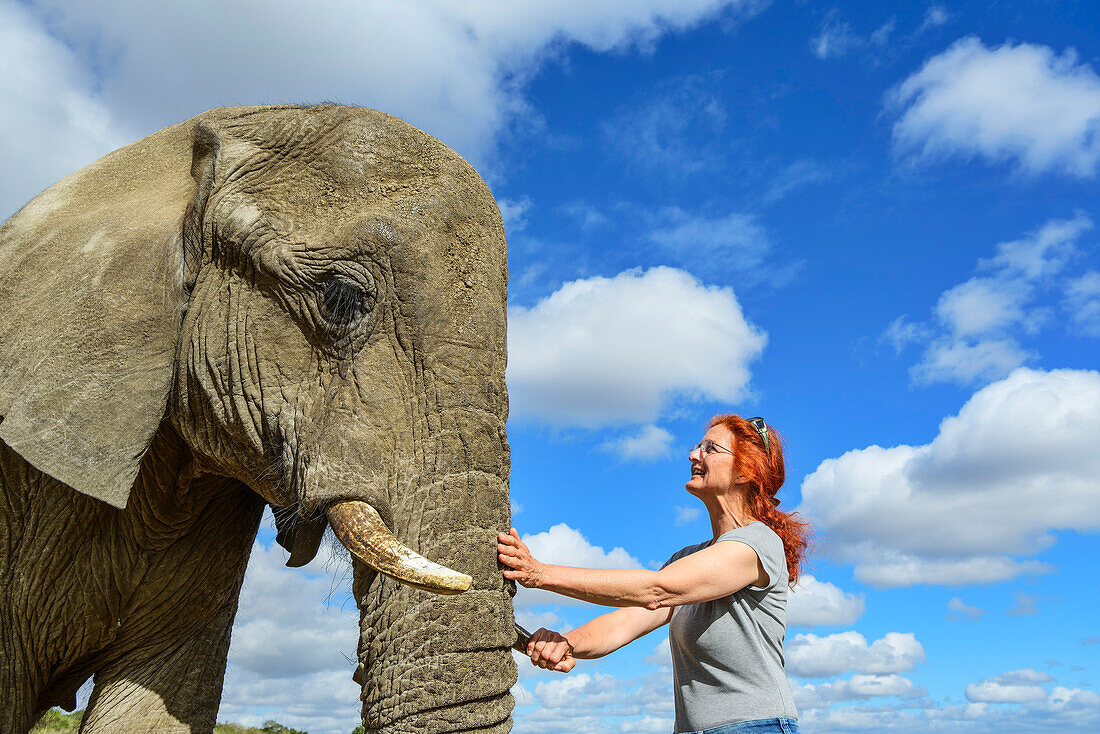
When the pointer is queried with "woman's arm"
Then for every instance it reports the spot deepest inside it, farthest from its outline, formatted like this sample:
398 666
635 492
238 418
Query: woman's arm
708 574
608 632
604 634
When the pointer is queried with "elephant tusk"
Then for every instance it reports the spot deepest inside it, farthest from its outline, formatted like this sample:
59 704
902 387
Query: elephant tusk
361 530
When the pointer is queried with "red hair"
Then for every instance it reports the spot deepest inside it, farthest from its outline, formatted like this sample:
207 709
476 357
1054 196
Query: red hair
765 471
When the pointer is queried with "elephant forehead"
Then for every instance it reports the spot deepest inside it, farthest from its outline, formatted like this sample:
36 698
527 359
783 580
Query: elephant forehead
441 213
326 165
371 143
332 183
355 150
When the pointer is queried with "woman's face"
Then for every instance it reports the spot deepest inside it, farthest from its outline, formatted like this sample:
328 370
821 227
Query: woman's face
713 473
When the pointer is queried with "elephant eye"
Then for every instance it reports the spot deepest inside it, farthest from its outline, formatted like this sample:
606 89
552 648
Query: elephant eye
343 304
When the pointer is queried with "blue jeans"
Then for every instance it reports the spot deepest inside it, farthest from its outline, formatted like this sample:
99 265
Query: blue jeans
756 726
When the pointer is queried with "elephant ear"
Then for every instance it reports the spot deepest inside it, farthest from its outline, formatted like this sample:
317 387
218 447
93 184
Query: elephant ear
93 278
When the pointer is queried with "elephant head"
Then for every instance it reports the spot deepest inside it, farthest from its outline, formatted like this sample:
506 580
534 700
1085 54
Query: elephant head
314 300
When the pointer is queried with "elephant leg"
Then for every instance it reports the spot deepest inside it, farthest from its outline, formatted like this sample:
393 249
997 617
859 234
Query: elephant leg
164 689
17 694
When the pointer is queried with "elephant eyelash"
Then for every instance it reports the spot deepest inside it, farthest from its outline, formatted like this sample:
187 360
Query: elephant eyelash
343 303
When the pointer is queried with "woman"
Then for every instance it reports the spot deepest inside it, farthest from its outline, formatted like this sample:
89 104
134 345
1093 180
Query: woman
725 598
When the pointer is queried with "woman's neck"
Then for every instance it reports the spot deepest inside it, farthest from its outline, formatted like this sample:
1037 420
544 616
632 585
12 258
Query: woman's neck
727 512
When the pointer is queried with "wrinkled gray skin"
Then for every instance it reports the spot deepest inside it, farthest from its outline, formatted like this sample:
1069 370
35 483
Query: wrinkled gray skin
285 305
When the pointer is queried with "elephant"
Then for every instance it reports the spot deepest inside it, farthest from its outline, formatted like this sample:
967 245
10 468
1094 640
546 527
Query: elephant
295 306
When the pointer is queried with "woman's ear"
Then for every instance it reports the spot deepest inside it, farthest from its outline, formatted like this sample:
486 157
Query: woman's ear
93 280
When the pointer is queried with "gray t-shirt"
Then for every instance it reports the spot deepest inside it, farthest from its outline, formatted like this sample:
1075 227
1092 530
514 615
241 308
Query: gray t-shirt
727 654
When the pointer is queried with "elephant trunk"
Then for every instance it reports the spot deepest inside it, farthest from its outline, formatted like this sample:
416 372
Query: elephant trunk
431 662
436 618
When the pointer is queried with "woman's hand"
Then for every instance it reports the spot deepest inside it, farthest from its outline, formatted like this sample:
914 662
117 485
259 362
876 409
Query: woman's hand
549 650
513 553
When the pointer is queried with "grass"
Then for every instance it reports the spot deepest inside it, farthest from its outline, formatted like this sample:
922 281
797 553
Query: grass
58 722
269 727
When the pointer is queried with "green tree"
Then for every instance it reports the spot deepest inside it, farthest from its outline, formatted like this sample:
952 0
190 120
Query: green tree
274 727
56 720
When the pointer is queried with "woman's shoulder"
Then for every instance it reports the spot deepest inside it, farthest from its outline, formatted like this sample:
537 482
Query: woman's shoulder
762 538
755 530
687 550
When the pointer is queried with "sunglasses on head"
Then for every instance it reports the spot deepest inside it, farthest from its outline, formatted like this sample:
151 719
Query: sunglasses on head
709 447
762 428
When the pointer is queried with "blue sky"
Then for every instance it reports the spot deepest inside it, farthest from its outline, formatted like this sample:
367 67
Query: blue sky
873 224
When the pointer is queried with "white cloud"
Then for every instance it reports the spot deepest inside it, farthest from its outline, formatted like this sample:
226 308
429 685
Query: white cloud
732 236
657 133
950 360
527 670
1023 676
1072 701
835 39
881 35
51 123
284 622
1063 708
532 620
982 305
902 332
1017 686
609 350
562 691
1023 605
889 569
592 701
795 176
935 16
293 649
1083 302
1017 462
649 723
649 444
685 515
562 545
733 243
662 655
1019 103
814 603
856 688
520 693
454 69
514 213
981 320
587 216
1041 253
324 702
961 610
600 26
810 656
644 703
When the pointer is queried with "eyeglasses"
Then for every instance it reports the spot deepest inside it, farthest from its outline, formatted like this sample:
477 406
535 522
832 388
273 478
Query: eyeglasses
707 447
762 428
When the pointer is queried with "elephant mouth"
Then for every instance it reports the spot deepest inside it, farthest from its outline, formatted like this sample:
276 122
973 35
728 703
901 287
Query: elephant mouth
360 529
